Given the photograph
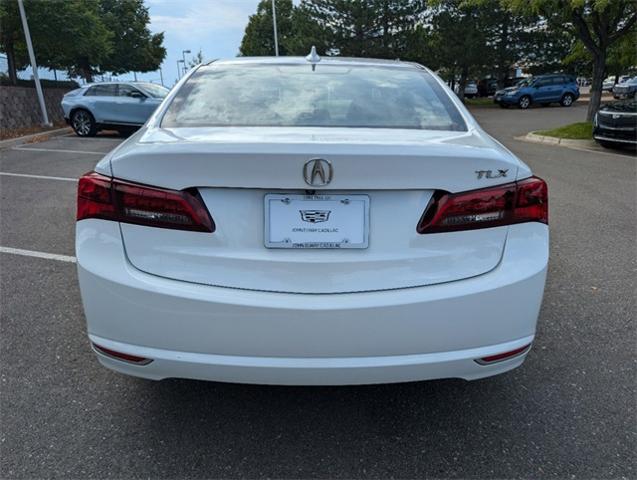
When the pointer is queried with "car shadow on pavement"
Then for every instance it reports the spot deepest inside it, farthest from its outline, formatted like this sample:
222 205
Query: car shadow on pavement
403 429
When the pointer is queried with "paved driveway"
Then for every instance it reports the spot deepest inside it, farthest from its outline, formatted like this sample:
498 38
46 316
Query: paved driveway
568 412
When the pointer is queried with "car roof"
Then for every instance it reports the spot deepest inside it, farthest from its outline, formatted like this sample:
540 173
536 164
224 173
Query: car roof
547 75
117 83
325 60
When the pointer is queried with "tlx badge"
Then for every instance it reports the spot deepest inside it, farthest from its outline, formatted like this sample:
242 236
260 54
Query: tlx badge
490 174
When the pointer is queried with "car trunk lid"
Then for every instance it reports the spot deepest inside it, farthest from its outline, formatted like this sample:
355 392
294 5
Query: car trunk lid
235 168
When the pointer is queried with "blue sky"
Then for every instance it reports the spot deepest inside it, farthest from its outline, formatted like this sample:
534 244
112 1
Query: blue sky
213 26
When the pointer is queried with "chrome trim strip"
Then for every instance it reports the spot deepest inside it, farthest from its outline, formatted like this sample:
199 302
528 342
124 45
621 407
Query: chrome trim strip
621 129
616 140
626 114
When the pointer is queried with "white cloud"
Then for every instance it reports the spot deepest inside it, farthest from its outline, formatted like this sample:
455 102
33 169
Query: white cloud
199 19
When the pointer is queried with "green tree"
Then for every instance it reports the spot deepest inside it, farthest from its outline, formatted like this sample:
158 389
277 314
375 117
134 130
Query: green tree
135 48
196 59
10 30
622 57
72 19
598 24
84 37
365 28
460 40
258 39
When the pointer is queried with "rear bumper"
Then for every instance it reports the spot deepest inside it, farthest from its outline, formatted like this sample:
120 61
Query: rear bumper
211 333
312 371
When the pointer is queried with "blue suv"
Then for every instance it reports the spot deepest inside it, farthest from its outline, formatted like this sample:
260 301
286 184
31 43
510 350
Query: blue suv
543 89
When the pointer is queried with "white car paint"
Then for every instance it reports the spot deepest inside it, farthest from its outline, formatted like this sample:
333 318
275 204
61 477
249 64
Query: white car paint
221 306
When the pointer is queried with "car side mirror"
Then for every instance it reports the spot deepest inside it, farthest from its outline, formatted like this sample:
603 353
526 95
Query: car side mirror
135 94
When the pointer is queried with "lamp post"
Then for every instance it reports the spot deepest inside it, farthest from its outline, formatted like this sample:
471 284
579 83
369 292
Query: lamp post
34 66
183 54
179 69
276 36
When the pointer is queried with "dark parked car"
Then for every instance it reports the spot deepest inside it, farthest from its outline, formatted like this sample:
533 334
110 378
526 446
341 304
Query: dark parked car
627 89
512 82
543 89
487 87
615 124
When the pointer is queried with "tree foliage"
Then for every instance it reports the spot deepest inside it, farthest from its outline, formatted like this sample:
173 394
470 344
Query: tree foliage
258 39
598 24
459 40
84 37
196 59
363 28
136 48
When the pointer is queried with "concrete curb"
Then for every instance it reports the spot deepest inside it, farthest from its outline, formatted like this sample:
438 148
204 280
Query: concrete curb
565 142
582 145
34 138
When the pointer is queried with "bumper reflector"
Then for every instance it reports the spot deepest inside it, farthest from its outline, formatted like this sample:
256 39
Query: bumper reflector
503 356
124 357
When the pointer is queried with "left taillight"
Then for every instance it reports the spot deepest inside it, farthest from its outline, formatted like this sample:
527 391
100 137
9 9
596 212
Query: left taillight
99 196
516 202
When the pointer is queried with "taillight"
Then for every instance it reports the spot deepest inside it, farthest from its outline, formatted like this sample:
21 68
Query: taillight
516 202
99 196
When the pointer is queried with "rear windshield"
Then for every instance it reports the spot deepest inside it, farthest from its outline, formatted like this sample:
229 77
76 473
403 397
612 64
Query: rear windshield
330 96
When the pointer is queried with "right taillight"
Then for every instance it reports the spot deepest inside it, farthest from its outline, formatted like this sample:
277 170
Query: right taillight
107 198
516 202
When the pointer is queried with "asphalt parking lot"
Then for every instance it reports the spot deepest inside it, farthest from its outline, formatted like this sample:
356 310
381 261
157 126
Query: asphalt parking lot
568 412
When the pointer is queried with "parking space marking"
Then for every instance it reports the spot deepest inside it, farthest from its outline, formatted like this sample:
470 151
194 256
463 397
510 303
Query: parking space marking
32 253
42 177
32 149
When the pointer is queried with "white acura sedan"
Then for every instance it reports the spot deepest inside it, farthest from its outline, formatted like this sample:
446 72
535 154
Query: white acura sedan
298 221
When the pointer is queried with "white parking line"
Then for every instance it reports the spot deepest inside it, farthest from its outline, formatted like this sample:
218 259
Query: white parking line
32 149
42 177
32 253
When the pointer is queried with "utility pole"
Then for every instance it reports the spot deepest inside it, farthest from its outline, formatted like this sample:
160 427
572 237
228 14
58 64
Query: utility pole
276 37
161 77
34 66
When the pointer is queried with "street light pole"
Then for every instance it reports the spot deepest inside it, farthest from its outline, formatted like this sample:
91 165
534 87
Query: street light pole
276 37
183 54
179 69
34 66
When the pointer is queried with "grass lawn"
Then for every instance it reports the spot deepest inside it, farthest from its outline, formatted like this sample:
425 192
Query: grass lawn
480 102
575 131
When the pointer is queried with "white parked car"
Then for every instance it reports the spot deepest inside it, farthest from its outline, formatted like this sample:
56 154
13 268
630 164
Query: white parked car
608 84
471 90
290 221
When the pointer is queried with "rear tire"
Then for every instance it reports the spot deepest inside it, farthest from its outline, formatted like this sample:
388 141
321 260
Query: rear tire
524 102
83 123
567 100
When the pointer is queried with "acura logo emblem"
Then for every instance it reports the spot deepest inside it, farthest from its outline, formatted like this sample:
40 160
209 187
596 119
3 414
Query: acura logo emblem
317 172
